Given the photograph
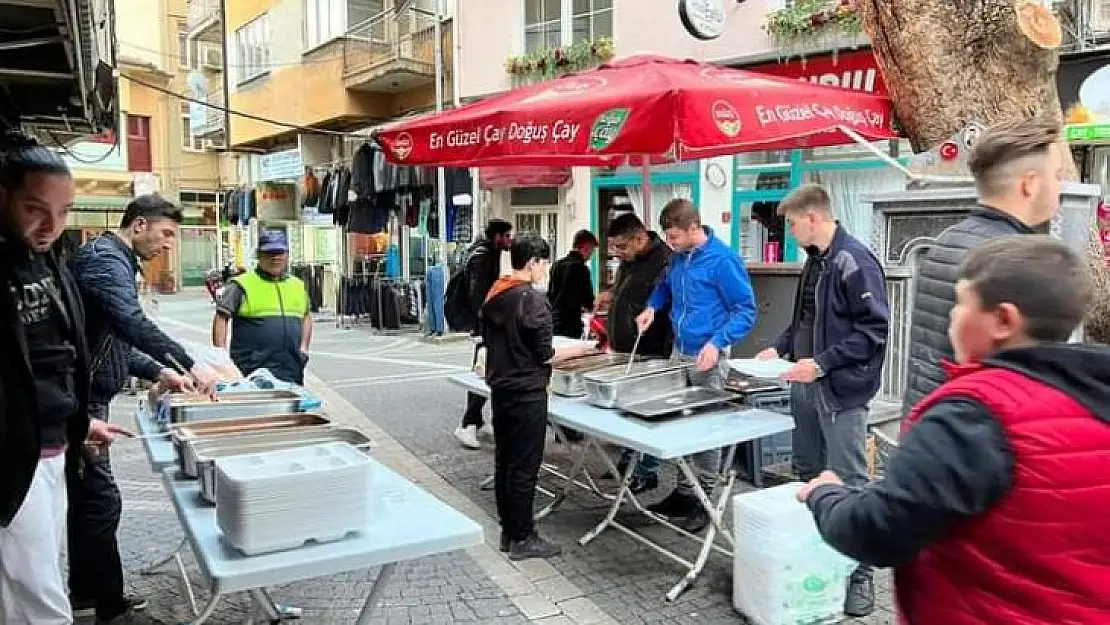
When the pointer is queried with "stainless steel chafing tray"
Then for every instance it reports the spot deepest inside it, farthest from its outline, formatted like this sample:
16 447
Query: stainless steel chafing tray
188 408
219 428
676 401
613 385
566 377
208 451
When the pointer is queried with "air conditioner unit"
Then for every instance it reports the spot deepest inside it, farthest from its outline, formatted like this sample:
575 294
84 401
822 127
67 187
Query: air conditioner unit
212 57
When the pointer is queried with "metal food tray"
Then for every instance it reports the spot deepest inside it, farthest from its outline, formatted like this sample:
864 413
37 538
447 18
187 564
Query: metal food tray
566 378
218 428
185 409
610 386
208 451
676 401
748 385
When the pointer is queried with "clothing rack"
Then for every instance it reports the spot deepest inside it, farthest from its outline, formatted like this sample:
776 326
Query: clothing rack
390 305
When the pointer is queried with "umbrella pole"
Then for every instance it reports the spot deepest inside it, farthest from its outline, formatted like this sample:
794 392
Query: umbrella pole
645 189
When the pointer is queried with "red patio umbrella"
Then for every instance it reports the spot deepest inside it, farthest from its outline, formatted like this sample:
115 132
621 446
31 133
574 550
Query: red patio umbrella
642 106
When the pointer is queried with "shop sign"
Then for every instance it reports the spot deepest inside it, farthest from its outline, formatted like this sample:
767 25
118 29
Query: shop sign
1084 88
703 19
285 165
855 70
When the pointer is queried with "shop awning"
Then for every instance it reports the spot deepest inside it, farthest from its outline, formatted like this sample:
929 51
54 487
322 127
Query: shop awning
507 177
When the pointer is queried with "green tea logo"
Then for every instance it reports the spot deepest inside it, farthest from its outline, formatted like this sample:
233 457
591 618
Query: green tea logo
606 128
814 584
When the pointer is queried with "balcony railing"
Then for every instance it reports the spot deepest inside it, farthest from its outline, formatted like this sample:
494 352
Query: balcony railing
213 117
391 50
201 11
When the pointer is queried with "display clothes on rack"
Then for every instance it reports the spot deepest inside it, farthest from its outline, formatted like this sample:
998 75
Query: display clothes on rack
240 205
388 303
313 278
310 189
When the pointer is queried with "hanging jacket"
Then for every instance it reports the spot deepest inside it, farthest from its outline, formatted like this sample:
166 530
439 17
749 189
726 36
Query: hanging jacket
310 189
994 508
362 171
710 296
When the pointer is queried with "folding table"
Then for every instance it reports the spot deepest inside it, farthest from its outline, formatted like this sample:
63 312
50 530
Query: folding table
672 440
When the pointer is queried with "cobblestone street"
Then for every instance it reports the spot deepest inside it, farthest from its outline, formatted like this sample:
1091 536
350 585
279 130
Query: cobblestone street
395 389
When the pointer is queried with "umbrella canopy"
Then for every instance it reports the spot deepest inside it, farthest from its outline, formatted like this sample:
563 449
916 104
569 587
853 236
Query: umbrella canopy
642 106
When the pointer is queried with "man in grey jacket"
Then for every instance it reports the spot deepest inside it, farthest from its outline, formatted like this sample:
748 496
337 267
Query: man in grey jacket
1017 169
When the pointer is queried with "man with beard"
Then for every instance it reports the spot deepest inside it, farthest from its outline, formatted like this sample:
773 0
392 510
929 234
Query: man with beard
644 258
123 342
44 383
1017 169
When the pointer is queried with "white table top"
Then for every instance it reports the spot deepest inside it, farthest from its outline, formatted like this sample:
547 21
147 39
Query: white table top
667 439
406 523
156 441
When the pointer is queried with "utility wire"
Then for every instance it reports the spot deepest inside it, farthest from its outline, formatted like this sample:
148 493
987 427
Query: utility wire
229 111
178 57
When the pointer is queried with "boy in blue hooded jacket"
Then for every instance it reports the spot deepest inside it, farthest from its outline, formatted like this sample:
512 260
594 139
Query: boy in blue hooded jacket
712 307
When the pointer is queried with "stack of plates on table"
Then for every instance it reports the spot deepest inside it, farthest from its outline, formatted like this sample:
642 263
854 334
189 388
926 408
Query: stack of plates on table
281 499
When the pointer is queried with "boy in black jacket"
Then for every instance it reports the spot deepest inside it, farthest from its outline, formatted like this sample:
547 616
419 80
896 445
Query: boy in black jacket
517 329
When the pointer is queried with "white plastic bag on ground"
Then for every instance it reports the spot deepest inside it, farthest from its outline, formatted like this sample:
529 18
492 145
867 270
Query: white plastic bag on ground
783 571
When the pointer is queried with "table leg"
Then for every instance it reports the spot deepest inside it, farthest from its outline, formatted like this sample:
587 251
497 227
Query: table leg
376 591
571 477
715 511
151 568
185 581
274 612
208 609
626 481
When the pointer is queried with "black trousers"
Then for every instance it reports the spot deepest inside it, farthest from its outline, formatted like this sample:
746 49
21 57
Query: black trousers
519 434
473 414
95 506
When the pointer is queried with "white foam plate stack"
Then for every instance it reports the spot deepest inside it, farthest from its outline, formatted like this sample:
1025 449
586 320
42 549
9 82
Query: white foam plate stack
282 499
783 572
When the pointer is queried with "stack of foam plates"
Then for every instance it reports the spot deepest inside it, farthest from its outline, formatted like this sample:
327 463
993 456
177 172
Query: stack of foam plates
280 500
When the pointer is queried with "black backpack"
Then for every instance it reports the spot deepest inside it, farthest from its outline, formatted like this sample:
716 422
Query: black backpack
456 302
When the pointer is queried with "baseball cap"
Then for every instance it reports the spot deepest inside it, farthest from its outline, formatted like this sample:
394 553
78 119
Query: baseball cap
272 242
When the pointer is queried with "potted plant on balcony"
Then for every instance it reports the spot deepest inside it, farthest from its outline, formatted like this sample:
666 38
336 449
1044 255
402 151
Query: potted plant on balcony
552 62
809 25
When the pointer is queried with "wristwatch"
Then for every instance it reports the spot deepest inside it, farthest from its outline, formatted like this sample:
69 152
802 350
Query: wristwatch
818 370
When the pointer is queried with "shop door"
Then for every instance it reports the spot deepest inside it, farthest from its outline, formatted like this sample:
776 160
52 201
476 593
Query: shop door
544 221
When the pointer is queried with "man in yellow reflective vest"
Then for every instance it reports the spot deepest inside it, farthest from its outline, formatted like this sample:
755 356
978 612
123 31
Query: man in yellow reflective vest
272 325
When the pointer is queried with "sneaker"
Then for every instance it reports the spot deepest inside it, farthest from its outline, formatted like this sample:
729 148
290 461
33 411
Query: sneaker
861 594
695 521
468 436
486 431
643 483
675 505
533 547
86 610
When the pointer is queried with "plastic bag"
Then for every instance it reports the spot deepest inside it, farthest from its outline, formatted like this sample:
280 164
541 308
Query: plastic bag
784 572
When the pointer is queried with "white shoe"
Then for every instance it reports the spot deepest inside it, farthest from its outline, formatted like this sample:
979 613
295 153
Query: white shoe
486 431
468 436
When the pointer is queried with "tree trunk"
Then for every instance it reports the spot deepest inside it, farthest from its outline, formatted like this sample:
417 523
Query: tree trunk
950 62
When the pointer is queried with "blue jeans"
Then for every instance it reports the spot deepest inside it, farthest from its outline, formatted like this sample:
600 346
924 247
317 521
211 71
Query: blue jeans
435 287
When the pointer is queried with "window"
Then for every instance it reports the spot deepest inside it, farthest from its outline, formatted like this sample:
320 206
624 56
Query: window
552 23
591 19
252 47
189 141
324 20
542 24
184 59
138 144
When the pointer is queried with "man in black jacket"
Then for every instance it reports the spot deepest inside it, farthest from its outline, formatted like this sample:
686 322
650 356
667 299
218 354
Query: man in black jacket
837 339
570 289
44 377
124 343
517 330
1017 169
483 266
644 259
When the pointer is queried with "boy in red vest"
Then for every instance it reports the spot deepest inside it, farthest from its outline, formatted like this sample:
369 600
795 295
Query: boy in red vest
996 506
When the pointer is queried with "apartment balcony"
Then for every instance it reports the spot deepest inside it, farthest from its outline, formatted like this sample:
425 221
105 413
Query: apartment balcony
392 52
202 16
